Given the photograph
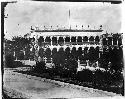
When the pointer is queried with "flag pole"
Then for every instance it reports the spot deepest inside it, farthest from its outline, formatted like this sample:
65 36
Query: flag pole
69 19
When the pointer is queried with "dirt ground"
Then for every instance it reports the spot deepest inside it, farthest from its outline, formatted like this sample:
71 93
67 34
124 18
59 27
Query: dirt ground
30 87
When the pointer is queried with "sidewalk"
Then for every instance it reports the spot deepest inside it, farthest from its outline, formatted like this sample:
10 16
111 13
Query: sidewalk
38 88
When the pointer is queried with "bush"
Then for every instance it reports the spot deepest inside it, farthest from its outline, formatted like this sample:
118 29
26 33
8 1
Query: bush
17 64
40 67
99 76
85 75
9 61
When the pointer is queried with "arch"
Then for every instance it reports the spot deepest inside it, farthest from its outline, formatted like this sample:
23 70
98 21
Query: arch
97 39
104 41
74 52
55 55
48 40
119 41
91 39
67 52
54 50
61 54
91 54
73 40
40 40
67 40
115 39
91 48
85 39
85 50
54 40
79 39
80 52
48 52
60 41
61 49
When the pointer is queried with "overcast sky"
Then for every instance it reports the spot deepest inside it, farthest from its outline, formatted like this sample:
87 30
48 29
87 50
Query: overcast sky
23 15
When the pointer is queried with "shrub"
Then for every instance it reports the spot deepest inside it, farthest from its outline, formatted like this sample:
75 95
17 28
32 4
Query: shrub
17 64
85 75
40 67
9 60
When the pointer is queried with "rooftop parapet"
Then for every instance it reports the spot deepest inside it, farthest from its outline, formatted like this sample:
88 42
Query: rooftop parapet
68 30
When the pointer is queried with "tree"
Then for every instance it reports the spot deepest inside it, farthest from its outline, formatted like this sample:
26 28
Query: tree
20 43
41 52
117 59
9 61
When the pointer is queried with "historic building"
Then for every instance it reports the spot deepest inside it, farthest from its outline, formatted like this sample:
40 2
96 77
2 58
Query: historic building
87 47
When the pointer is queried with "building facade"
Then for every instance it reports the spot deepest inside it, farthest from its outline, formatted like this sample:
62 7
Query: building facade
84 46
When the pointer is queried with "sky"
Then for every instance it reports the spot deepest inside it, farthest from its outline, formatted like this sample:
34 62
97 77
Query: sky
23 15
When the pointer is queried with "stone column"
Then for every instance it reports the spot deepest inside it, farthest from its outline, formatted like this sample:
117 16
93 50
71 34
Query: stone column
57 40
87 62
76 40
44 38
64 40
117 42
78 62
97 64
112 42
94 38
51 40
70 39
